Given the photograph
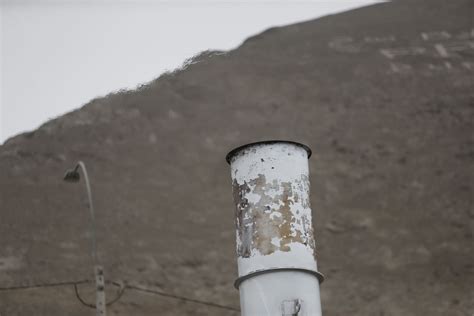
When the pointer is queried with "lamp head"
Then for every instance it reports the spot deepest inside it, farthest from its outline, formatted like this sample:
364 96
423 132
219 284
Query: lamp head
72 175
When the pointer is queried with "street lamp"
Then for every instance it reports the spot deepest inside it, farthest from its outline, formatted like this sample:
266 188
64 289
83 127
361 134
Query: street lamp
73 175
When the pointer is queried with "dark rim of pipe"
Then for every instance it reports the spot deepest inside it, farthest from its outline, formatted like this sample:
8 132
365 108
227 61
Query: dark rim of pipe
235 151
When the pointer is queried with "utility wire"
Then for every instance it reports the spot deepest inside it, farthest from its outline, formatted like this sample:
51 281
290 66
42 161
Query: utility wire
182 298
34 286
117 297
123 287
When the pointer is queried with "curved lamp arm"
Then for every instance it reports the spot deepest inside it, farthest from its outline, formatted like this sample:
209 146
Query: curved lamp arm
74 176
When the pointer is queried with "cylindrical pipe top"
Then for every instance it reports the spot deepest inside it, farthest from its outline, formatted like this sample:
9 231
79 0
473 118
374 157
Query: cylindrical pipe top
275 240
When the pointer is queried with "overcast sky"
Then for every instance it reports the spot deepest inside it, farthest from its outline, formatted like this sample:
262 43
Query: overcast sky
58 55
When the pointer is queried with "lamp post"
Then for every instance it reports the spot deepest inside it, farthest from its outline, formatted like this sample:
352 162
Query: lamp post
73 175
278 273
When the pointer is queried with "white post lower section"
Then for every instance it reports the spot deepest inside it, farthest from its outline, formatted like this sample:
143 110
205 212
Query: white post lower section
280 293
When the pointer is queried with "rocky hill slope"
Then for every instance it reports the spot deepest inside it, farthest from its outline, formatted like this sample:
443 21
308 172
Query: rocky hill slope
383 95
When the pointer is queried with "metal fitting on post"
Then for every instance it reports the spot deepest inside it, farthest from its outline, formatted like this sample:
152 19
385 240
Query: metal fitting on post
290 308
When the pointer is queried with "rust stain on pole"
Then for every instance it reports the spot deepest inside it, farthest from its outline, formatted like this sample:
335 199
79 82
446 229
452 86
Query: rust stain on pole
271 216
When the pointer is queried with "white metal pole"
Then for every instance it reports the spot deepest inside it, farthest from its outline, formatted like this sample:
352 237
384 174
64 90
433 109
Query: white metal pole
278 272
98 269
100 304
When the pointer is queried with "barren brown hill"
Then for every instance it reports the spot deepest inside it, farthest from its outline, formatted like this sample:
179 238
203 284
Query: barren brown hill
384 95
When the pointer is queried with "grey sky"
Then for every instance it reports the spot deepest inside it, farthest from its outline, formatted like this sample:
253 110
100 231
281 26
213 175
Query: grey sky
57 55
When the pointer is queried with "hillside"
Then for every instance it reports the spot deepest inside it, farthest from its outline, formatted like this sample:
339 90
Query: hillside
384 97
